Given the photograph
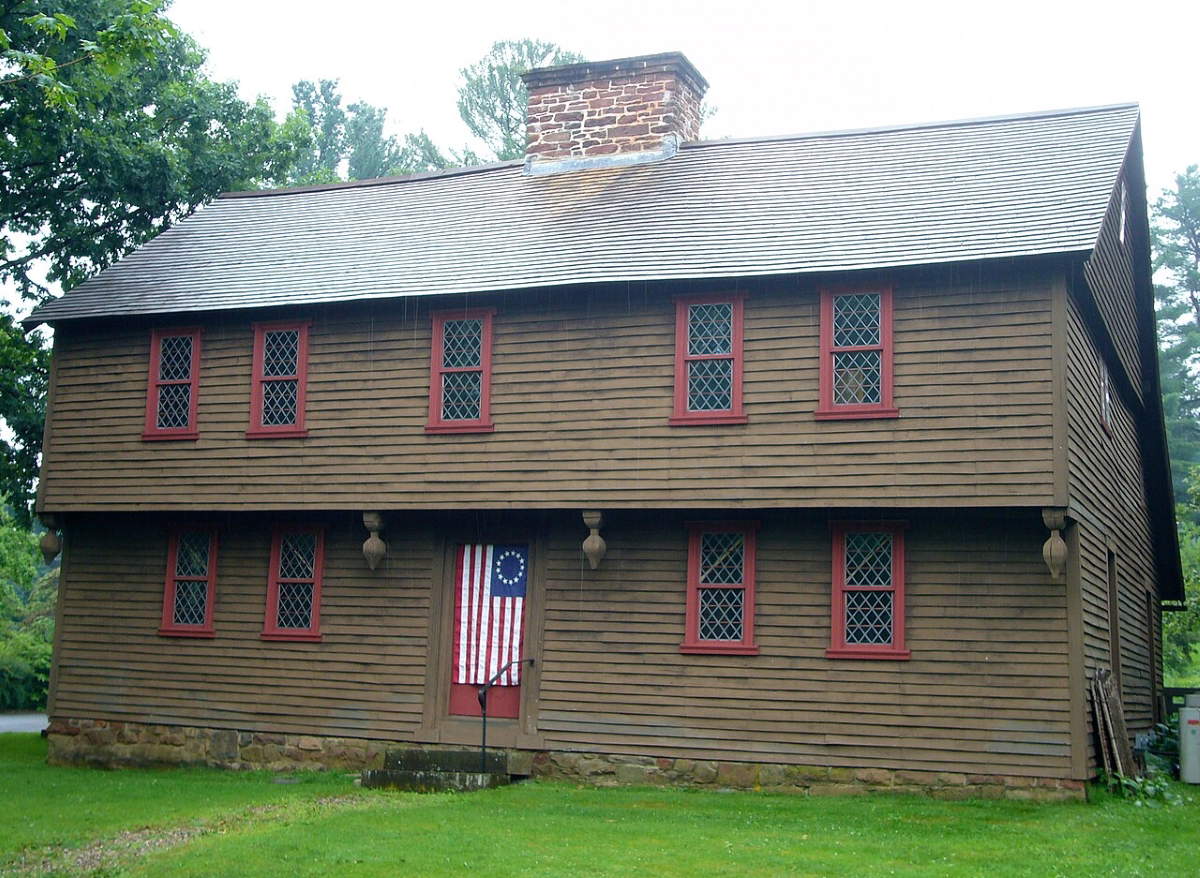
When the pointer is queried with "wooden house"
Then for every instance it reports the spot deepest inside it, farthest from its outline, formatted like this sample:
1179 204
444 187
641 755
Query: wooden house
862 430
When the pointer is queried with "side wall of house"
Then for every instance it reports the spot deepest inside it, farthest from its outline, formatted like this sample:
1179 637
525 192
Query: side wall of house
984 693
582 394
1107 481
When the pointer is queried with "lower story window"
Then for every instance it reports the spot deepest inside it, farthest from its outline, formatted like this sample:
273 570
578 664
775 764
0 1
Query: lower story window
719 617
190 586
294 587
868 591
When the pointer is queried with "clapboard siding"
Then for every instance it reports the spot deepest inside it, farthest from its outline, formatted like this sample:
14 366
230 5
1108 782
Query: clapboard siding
1108 501
582 391
1109 274
365 679
984 692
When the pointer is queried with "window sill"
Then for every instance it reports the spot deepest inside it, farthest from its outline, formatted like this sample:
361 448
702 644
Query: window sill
298 636
186 632
471 427
899 655
289 433
159 437
718 649
853 414
691 420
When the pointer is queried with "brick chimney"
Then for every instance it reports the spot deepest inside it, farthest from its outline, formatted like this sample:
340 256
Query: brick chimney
605 113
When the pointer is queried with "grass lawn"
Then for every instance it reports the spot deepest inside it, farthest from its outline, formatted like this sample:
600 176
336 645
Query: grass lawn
194 822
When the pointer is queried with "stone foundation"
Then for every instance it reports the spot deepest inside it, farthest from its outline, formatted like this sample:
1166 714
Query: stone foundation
114 744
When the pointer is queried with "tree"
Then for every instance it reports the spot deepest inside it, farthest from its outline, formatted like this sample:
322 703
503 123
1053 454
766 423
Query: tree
492 99
1176 237
111 133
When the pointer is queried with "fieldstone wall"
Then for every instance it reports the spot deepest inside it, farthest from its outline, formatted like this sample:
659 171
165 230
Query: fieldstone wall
113 744
606 770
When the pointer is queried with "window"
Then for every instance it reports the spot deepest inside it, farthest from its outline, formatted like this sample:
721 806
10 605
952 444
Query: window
460 375
868 591
708 360
856 354
1105 397
280 376
174 382
190 588
720 588
294 588
1122 212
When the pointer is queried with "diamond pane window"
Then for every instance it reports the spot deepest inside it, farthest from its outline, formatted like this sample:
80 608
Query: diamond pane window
868 591
856 355
294 590
719 616
190 584
460 372
174 381
708 360
710 329
280 380
710 385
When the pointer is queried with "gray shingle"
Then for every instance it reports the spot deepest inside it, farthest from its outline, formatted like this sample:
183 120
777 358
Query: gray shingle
1003 187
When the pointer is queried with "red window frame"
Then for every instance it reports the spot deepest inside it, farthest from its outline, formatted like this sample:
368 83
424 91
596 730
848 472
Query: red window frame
169 628
482 424
271 629
154 384
735 414
828 410
258 430
838 647
692 643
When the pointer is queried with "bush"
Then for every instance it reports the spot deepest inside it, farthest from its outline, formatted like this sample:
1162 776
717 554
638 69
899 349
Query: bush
24 671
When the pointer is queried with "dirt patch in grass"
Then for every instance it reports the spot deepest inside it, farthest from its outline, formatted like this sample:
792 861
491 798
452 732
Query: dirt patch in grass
110 853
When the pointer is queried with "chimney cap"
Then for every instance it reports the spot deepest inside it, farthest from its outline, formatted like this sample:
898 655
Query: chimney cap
664 62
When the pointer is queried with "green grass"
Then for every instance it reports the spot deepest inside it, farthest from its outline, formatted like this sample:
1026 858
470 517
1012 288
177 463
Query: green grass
542 829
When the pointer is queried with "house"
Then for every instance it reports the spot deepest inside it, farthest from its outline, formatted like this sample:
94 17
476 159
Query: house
830 460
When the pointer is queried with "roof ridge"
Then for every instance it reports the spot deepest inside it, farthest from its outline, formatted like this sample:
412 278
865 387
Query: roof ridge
913 126
375 181
699 144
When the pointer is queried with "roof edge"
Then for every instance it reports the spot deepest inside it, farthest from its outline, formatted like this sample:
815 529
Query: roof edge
375 181
914 126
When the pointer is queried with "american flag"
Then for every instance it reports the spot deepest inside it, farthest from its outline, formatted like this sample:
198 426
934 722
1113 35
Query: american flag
489 611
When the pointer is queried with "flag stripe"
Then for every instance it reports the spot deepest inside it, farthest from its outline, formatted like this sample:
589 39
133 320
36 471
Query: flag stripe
488 627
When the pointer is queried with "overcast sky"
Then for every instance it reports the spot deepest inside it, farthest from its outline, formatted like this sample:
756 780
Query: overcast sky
773 67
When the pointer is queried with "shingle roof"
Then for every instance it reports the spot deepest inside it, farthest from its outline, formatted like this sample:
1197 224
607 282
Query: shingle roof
1001 187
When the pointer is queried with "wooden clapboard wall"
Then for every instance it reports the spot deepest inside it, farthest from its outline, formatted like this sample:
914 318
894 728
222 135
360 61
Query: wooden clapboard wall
985 691
582 392
1106 478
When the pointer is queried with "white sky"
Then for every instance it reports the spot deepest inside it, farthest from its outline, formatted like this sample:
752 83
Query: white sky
773 67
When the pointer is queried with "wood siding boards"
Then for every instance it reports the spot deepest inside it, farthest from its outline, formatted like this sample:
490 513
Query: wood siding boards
985 691
1109 503
582 394
1109 274
842 201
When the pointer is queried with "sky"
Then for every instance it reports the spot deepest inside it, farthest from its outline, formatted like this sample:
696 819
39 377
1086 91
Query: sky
773 67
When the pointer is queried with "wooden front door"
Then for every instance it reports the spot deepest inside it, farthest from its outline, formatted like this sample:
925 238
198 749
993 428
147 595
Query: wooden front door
490 582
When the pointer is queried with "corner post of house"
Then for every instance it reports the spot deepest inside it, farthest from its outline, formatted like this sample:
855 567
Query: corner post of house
1076 672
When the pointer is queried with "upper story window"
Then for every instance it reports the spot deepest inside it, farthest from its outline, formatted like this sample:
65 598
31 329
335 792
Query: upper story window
460 379
280 377
190 587
868 591
719 616
1106 402
294 587
174 384
1123 212
856 354
708 360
